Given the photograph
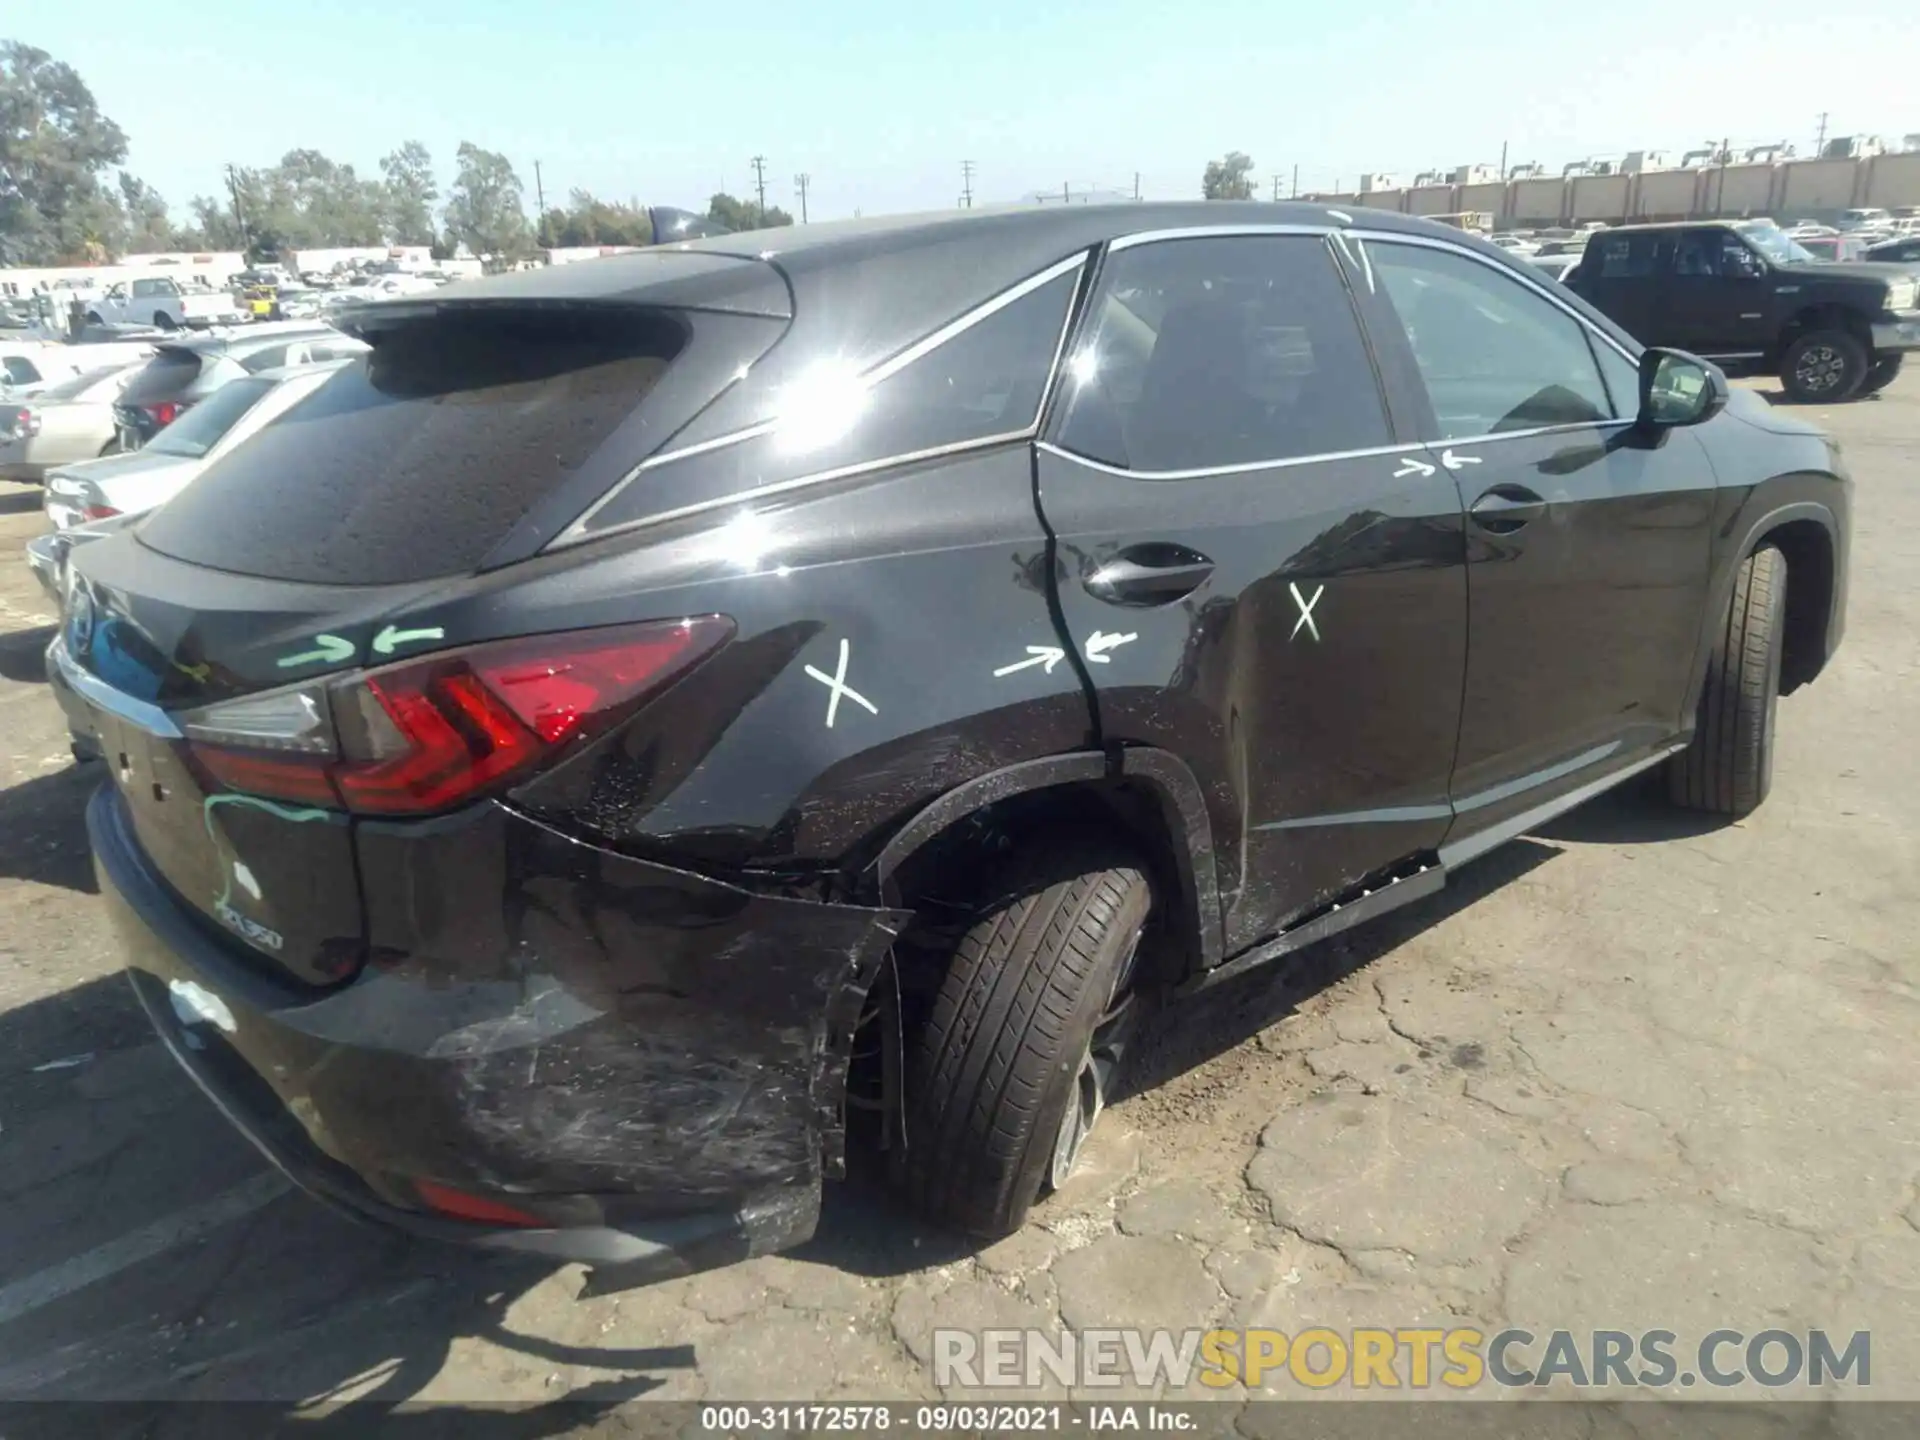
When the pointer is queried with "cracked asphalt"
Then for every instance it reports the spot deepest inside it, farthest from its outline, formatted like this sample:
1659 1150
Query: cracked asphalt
1635 1071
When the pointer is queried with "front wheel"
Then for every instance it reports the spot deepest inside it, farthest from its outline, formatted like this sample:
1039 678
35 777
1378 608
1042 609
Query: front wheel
1882 373
1016 1061
1823 367
1728 767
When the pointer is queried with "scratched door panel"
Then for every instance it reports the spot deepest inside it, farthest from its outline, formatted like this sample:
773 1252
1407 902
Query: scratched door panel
1312 680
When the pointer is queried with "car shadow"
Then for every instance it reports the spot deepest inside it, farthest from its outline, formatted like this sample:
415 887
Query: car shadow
18 500
23 653
43 828
1637 813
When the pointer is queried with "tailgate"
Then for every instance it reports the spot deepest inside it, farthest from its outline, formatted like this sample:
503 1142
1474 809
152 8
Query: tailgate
147 645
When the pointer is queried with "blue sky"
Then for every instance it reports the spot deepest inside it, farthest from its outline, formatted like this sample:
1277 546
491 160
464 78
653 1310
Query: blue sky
881 102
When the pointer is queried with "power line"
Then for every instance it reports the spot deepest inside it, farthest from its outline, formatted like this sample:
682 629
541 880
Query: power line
800 183
966 184
760 186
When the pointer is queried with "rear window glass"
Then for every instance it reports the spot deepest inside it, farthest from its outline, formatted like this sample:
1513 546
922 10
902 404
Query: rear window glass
417 462
201 428
163 377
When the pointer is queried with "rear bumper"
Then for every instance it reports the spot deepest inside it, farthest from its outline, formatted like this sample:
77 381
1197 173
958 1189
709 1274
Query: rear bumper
651 1131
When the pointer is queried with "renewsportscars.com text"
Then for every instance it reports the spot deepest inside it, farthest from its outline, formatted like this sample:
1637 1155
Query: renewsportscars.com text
1413 1359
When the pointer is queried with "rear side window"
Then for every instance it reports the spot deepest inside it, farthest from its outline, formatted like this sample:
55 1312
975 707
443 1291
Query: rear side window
980 384
1208 353
163 377
416 463
1621 257
20 370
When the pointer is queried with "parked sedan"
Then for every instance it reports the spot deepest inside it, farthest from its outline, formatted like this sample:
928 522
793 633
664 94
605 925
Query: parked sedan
659 715
1899 251
132 484
68 421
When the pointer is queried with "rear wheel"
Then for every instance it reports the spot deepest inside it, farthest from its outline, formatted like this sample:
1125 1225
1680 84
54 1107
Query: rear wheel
1823 367
1728 768
1881 374
1011 1071
163 321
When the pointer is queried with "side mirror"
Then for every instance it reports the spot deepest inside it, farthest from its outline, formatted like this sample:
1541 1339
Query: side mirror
1679 389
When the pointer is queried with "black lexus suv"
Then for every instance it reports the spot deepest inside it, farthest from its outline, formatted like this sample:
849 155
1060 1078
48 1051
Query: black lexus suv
651 711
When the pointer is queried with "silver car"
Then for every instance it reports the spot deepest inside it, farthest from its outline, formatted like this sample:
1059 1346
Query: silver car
68 421
136 482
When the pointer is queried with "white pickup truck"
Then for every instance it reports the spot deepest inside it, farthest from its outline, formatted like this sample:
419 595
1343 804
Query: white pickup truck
161 300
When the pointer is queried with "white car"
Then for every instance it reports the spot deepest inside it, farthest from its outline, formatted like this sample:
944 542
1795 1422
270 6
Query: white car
64 422
28 366
136 482
161 300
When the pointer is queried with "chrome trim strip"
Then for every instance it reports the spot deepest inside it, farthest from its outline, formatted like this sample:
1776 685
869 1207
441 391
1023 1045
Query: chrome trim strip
577 530
1539 287
1390 815
1212 232
102 696
1737 355
1473 846
1562 429
1546 775
568 539
1246 467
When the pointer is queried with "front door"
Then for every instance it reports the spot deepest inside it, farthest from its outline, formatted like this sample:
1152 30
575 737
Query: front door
1717 297
1587 540
1257 571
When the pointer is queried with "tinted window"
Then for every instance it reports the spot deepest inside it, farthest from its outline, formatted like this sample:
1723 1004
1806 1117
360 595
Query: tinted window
200 429
20 370
271 358
985 382
1620 257
1495 355
1222 351
1622 376
416 463
1712 253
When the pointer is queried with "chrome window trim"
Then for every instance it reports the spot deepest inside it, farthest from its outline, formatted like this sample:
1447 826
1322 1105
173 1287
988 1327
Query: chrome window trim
1245 467
1430 242
1212 232
577 532
96 692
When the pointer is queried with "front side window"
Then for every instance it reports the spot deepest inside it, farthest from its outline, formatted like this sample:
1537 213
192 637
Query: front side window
1495 355
1216 352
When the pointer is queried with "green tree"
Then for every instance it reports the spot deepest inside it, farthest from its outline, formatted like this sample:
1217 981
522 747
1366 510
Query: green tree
54 144
723 209
146 225
1228 179
410 194
589 220
485 210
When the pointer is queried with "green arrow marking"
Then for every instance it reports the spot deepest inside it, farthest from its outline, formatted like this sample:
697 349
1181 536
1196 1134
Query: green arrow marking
328 649
384 642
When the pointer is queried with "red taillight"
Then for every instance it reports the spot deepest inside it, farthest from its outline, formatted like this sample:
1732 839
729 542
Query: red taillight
97 512
434 733
164 412
462 1206
24 422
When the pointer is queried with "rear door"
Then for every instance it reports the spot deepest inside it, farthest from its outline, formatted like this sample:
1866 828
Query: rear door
1258 574
1587 542
1624 276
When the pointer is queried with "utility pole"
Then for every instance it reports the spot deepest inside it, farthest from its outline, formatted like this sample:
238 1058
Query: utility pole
760 187
1136 187
540 199
1503 162
239 216
1726 154
1820 141
1066 194
966 184
1296 182
800 183
1276 186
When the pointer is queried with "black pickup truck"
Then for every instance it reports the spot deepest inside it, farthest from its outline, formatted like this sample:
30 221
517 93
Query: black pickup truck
1748 295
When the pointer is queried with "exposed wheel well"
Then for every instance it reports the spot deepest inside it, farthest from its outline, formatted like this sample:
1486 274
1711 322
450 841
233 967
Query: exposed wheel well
1809 553
1825 317
945 879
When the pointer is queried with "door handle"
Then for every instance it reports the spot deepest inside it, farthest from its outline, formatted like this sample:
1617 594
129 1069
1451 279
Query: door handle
1154 574
1505 508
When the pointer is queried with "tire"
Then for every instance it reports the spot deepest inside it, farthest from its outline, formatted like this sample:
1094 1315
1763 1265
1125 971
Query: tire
1728 768
1007 1076
163 321
1880 374
1823 367
93 318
